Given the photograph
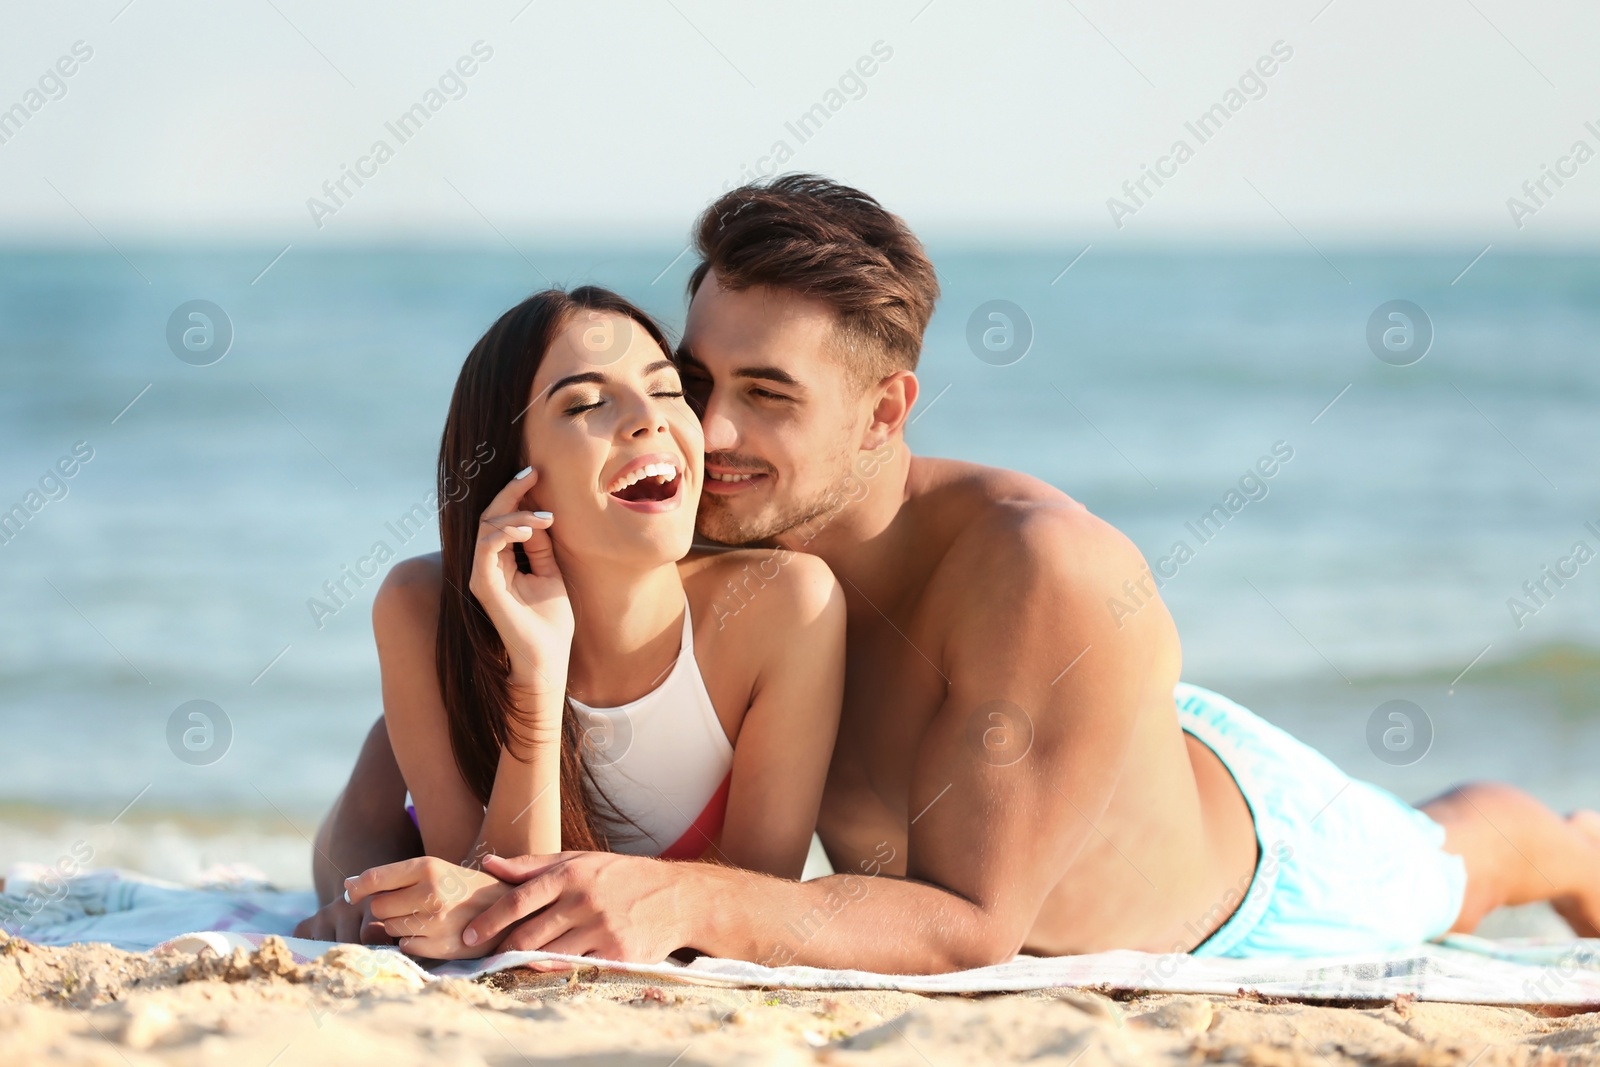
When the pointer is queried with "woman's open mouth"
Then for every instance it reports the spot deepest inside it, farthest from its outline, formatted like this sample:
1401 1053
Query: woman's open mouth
649 487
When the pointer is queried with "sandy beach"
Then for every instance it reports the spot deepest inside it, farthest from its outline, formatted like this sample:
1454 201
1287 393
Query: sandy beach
92 1004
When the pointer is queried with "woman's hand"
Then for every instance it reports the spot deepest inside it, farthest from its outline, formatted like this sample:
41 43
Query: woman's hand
426 903
530 611
597 904
338 920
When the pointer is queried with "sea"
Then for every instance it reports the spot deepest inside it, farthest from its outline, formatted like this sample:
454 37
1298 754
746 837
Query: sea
1380 463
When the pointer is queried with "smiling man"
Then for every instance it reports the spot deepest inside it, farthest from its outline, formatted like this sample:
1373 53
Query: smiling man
1017 768
1009 771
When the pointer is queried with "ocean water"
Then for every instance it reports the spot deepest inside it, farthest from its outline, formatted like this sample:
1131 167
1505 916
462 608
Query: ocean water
1376 563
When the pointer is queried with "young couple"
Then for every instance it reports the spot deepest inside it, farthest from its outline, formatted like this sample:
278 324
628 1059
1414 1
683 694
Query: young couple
618 745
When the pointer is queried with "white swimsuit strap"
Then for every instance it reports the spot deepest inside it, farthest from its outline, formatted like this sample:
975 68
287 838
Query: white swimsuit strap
686 642
685 649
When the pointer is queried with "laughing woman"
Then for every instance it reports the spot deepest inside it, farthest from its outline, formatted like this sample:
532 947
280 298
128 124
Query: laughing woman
565 674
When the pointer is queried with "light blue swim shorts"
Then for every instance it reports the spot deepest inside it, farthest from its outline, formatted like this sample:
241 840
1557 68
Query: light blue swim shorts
1344 867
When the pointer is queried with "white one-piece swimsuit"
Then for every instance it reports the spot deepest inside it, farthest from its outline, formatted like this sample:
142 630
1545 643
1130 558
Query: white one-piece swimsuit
663 762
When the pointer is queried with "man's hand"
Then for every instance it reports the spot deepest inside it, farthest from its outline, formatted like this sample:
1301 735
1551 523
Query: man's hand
339 921
601 904
426 902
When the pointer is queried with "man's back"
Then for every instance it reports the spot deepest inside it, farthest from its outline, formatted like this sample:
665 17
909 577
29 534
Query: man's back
982 565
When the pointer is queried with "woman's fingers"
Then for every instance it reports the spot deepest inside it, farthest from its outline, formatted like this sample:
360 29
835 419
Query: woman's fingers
510 519
427 920
501 523
538 547
515 525
416 899
511 495
499 532
407 926
432 948
491 568
384 879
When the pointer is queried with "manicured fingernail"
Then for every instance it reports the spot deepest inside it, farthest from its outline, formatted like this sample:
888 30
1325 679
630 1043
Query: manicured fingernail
544 515
347 896
469 936
522 531
523 473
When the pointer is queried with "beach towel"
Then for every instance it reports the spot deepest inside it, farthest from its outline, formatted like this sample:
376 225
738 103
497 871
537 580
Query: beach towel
234 910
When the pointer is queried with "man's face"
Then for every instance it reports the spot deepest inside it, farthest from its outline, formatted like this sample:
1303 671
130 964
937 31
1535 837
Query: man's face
783 418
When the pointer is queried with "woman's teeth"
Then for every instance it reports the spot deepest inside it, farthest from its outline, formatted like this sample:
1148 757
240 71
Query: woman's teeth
663 472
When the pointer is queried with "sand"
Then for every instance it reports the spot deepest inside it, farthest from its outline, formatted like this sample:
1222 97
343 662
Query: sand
92 1004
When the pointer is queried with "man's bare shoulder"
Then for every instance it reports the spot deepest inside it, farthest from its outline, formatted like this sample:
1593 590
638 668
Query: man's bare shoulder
998 521
1011 541
939 482
1028 566
1028 547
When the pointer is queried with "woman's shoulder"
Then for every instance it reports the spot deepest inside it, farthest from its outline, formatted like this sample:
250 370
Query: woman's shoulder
410 592
771 585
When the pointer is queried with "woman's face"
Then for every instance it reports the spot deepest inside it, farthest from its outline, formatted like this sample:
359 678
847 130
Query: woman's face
618 451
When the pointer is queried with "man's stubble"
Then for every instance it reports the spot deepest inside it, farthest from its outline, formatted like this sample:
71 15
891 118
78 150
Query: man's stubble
718 521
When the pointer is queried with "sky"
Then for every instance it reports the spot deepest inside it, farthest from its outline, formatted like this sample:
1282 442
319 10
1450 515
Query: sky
191 122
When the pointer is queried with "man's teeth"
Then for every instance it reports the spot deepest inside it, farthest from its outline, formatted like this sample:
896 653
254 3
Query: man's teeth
666 472
714 476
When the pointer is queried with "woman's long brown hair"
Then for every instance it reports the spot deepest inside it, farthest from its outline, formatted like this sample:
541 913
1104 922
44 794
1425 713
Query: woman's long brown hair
481 450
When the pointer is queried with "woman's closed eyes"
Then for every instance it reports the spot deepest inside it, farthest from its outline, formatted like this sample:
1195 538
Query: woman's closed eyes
588 403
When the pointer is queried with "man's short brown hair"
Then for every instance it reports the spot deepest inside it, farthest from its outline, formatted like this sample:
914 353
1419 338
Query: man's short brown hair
833 243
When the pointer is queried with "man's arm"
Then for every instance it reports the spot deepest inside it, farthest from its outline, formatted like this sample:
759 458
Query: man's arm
1009 778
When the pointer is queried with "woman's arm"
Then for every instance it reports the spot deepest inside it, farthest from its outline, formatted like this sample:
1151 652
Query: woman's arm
524 813
534 620
794 629
425 902
405 620
409 749
533 615
796 632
